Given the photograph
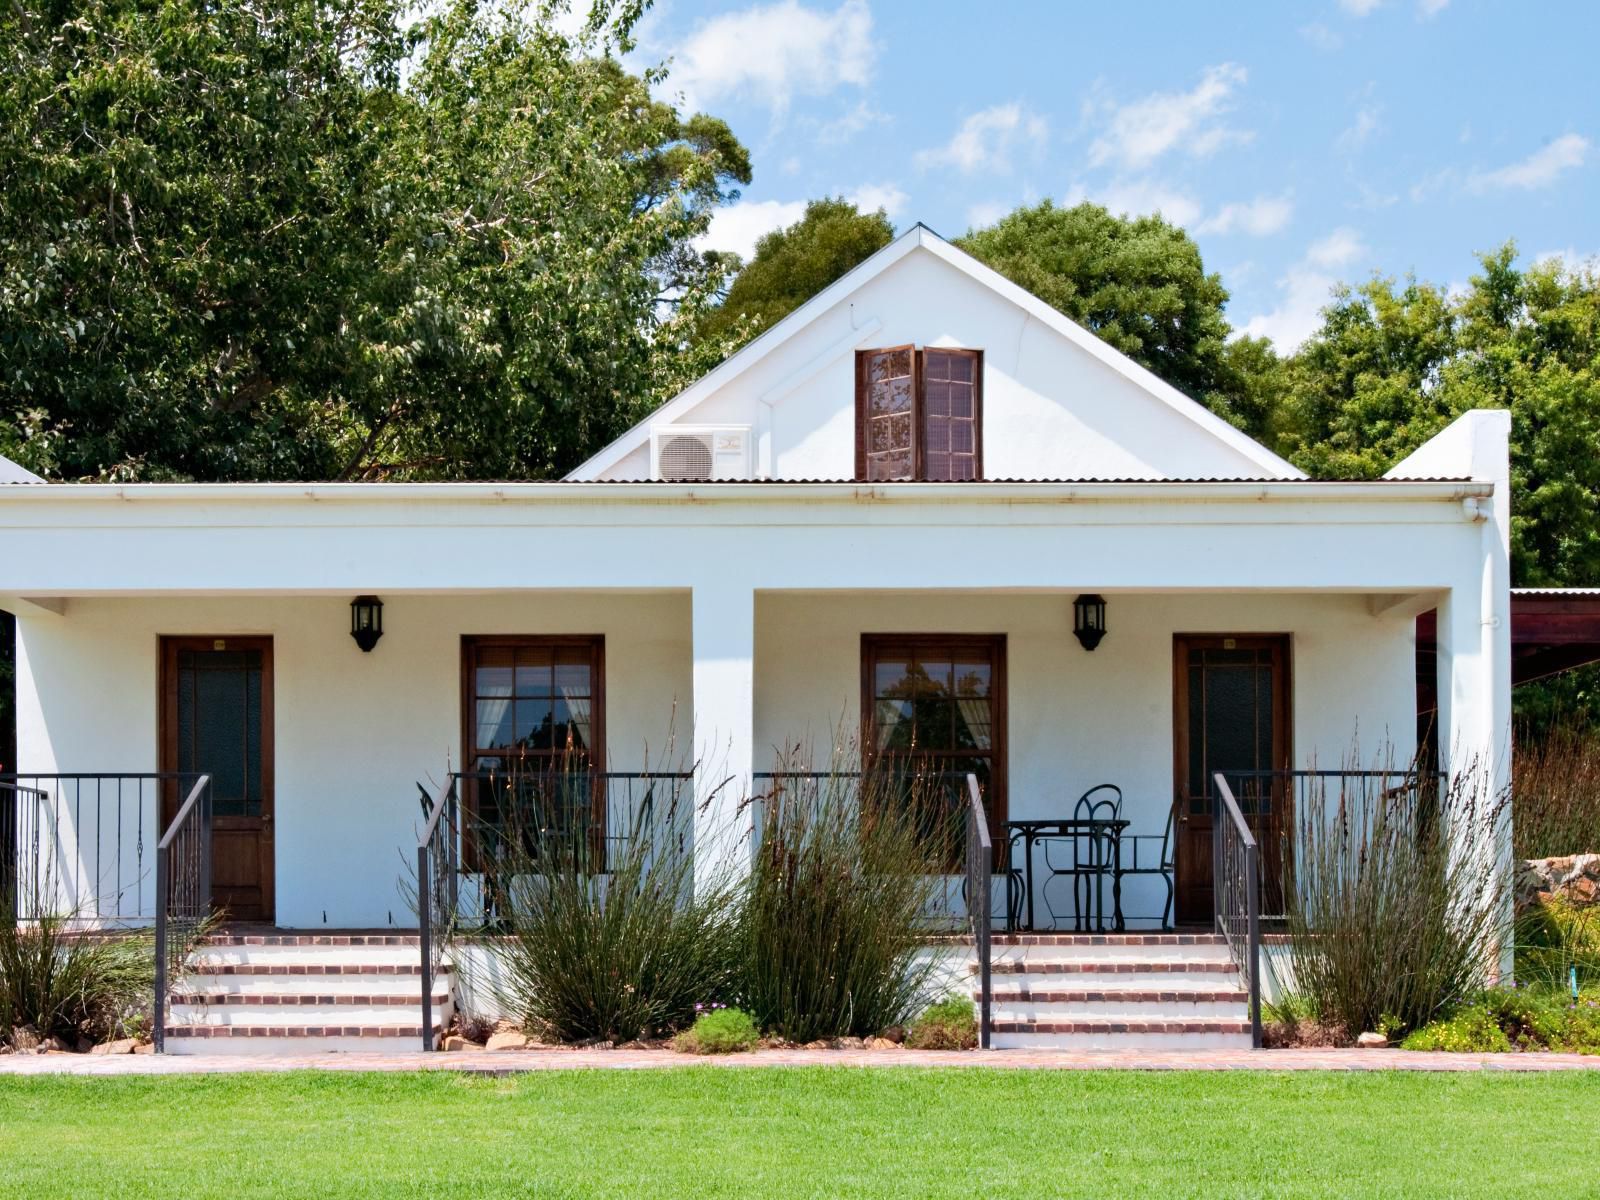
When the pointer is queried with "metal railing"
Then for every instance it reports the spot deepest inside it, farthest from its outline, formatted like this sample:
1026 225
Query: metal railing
1236 893
80 845
438 874
980 864
183 893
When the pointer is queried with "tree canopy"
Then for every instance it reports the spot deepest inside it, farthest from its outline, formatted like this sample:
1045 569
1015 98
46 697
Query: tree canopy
793 264
301 239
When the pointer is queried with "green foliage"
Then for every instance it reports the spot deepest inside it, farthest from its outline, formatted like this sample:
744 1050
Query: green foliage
238 241
720 1031
609 939
793 264
69 986
1503 1019
836 909
1139 284
949 1024
1393 365
1558 942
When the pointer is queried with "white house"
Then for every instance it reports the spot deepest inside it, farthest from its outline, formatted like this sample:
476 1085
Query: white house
896 493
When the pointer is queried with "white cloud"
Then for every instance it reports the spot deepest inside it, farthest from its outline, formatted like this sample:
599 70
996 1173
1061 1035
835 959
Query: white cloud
1360 131
1261 217
871 197
739 226
844 127
774 53
1541 168
1138 133
1431 8
1304 290
1571 260
1320 36
987 139
1359 8
980 216
1139 197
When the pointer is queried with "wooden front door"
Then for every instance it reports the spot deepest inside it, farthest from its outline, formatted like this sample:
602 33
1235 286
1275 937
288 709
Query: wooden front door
216 718
1231 713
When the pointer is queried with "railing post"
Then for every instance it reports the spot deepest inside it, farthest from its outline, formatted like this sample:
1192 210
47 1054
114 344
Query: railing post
1218 815
424 923
1252 886
158 1021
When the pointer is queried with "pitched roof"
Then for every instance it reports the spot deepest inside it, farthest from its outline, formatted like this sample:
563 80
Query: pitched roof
919 236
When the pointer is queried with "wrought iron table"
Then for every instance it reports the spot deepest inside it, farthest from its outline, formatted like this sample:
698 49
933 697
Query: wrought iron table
1097 832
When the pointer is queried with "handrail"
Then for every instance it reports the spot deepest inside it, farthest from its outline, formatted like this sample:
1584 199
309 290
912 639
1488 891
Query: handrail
980 863
1236 879
187 838
436 873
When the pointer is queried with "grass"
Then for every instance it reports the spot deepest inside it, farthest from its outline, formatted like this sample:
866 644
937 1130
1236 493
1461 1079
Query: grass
804 1132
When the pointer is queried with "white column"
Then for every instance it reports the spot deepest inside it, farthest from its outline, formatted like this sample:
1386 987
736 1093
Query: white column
724 726
1474 667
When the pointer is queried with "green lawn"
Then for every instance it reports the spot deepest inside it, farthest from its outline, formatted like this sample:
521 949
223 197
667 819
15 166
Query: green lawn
778 1133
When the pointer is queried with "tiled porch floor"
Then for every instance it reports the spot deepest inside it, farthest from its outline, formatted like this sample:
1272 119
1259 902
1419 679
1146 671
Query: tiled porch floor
514 1061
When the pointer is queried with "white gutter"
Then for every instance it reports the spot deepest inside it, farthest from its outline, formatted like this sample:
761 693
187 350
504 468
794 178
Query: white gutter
590 493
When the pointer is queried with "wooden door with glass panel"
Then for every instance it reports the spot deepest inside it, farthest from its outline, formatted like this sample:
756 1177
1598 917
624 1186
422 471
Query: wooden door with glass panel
1231 713
934 709
216 719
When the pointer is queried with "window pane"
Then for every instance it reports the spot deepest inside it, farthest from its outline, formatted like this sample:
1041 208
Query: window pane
534 724
494 725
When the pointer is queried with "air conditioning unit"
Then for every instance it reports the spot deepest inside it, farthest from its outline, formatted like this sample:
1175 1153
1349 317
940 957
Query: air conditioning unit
685 453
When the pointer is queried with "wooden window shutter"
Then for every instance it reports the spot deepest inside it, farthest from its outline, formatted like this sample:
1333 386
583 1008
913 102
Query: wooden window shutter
886 414
950 404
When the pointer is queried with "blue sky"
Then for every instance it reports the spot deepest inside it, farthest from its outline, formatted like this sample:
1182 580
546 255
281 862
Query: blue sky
1300 143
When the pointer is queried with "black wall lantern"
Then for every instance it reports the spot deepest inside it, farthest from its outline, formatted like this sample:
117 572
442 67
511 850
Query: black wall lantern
366 621
1089 619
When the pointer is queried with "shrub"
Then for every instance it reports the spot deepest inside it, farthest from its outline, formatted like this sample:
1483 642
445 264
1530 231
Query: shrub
608 938
1502 1019
1471 1030
1558 942
949 1024
67 985
835 915
720 1031
1390 921
1555 786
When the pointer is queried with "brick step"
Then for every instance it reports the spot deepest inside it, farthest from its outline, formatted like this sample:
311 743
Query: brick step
305 999
1107 939
1107 967
1123 995
266 1041
1090 1033
288 967
313 939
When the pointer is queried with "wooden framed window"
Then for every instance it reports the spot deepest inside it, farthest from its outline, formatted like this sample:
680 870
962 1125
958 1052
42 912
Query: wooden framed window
935 704
533 729
919 414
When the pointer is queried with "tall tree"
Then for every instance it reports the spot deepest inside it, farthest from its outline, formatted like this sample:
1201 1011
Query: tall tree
302 239
1393 364
1140 284
793 264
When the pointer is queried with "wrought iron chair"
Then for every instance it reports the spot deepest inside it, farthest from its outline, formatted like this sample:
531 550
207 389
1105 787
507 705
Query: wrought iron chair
1156 858
1086 857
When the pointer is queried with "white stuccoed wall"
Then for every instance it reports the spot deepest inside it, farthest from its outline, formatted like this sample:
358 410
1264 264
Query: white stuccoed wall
355 732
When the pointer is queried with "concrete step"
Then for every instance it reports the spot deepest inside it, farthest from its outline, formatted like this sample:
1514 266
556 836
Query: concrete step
1119 1004
1117 1034
305 955
299 1015
284 1040
1109 948
231 983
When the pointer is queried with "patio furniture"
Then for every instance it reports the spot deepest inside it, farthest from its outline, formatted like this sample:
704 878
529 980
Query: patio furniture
1093 837
1152 854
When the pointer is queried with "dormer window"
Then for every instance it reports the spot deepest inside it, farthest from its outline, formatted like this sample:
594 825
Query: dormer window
919 414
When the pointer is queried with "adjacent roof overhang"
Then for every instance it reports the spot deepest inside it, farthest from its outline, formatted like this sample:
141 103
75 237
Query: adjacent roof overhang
1552 630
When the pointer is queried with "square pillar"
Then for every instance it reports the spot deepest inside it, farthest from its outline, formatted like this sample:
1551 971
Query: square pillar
723 624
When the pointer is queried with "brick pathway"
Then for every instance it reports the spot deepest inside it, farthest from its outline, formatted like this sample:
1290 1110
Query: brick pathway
513 1061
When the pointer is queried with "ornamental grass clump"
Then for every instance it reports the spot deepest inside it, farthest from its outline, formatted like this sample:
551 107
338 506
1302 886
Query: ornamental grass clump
1396 902
720 1031
59 982
949 1024
847 870
1556 793
605 934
